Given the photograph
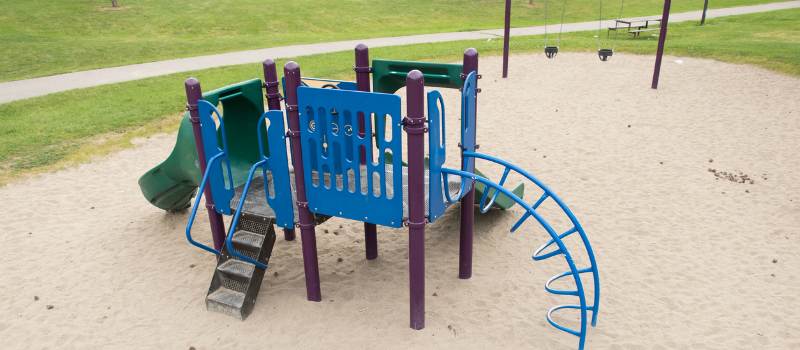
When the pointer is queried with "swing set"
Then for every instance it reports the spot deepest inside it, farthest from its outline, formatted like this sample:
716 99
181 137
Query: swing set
603 53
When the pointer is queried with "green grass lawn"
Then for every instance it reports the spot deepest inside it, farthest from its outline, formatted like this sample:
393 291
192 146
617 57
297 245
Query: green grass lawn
61 129
42 38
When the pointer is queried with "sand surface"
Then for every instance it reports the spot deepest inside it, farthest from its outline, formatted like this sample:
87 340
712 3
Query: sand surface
688 259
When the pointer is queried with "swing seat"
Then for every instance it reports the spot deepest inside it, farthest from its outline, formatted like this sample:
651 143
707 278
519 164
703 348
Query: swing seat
551 51
604 54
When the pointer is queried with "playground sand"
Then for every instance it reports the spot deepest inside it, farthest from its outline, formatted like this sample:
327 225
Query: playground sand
687 259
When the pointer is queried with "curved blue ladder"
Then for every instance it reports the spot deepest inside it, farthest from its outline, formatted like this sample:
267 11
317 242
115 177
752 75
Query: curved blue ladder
555 239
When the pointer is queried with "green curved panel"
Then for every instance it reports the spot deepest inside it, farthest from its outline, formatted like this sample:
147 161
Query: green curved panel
172 184
389 76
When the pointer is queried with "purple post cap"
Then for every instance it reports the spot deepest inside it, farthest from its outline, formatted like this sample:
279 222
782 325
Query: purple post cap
414 76
361 47
470 60
269 70
193 91
290 66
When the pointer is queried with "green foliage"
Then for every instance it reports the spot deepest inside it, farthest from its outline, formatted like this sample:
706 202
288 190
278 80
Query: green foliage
44 37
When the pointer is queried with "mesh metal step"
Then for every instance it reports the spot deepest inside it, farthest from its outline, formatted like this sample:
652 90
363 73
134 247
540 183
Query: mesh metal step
248 238
235 284
226 301
238 268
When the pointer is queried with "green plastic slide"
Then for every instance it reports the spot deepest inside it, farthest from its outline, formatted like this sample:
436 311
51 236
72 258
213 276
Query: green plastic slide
172 184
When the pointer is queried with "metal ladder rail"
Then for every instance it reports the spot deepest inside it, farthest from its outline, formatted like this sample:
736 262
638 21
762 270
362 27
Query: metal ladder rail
214 159
235 220
276 134
555 239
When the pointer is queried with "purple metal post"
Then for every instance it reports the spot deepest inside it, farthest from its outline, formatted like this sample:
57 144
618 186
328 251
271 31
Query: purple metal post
468 201
194 93
415 128
291 73
363 69
506 34
274 104
662 37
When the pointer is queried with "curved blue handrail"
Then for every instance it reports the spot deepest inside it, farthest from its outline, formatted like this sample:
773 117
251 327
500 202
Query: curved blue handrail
549 193
555 239
197 203
485 207
235 220
461 192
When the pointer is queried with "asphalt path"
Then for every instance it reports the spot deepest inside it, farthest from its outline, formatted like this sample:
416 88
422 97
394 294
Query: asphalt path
22 89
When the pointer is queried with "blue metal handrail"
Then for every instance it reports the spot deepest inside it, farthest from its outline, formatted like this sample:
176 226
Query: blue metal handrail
485 207
549 193
235 221
555 239
197 203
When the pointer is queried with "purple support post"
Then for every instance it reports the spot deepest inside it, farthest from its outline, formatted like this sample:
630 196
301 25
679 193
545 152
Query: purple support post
363 69
194 93
291 73
274 104
662 37
468 201
506 34
415 128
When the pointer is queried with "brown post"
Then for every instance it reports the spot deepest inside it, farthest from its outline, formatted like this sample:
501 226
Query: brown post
363 69
291 73
468 201
274 104
662 37
506 34
193 94
415 129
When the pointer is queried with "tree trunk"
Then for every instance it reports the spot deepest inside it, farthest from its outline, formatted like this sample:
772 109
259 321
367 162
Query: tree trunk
114 3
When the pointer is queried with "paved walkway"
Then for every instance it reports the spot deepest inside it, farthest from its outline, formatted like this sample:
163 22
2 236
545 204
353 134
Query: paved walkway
21 89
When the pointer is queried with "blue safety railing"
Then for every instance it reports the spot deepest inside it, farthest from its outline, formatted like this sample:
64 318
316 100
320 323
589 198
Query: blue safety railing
239 213
555 239
337 182
197 201
221 187
277 164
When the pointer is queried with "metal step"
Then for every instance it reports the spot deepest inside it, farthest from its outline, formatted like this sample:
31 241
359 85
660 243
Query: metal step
235 284
238 268
226 301
248 238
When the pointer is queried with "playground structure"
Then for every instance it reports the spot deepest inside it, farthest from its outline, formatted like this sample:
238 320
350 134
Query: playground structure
346 150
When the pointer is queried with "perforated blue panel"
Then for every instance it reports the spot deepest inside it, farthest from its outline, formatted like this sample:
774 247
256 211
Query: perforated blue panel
436 146
278 165
330 146
221 187
468 98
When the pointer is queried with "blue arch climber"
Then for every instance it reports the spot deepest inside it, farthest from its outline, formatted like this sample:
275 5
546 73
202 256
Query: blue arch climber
555 238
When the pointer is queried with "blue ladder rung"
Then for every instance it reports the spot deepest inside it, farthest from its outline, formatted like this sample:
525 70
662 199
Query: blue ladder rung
557 277
521 220
524 217
541 199
555 252
485 207
565 329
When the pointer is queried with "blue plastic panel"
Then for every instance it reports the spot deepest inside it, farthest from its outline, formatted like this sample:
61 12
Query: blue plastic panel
221 186
436 147
278 164
330 146
468 99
